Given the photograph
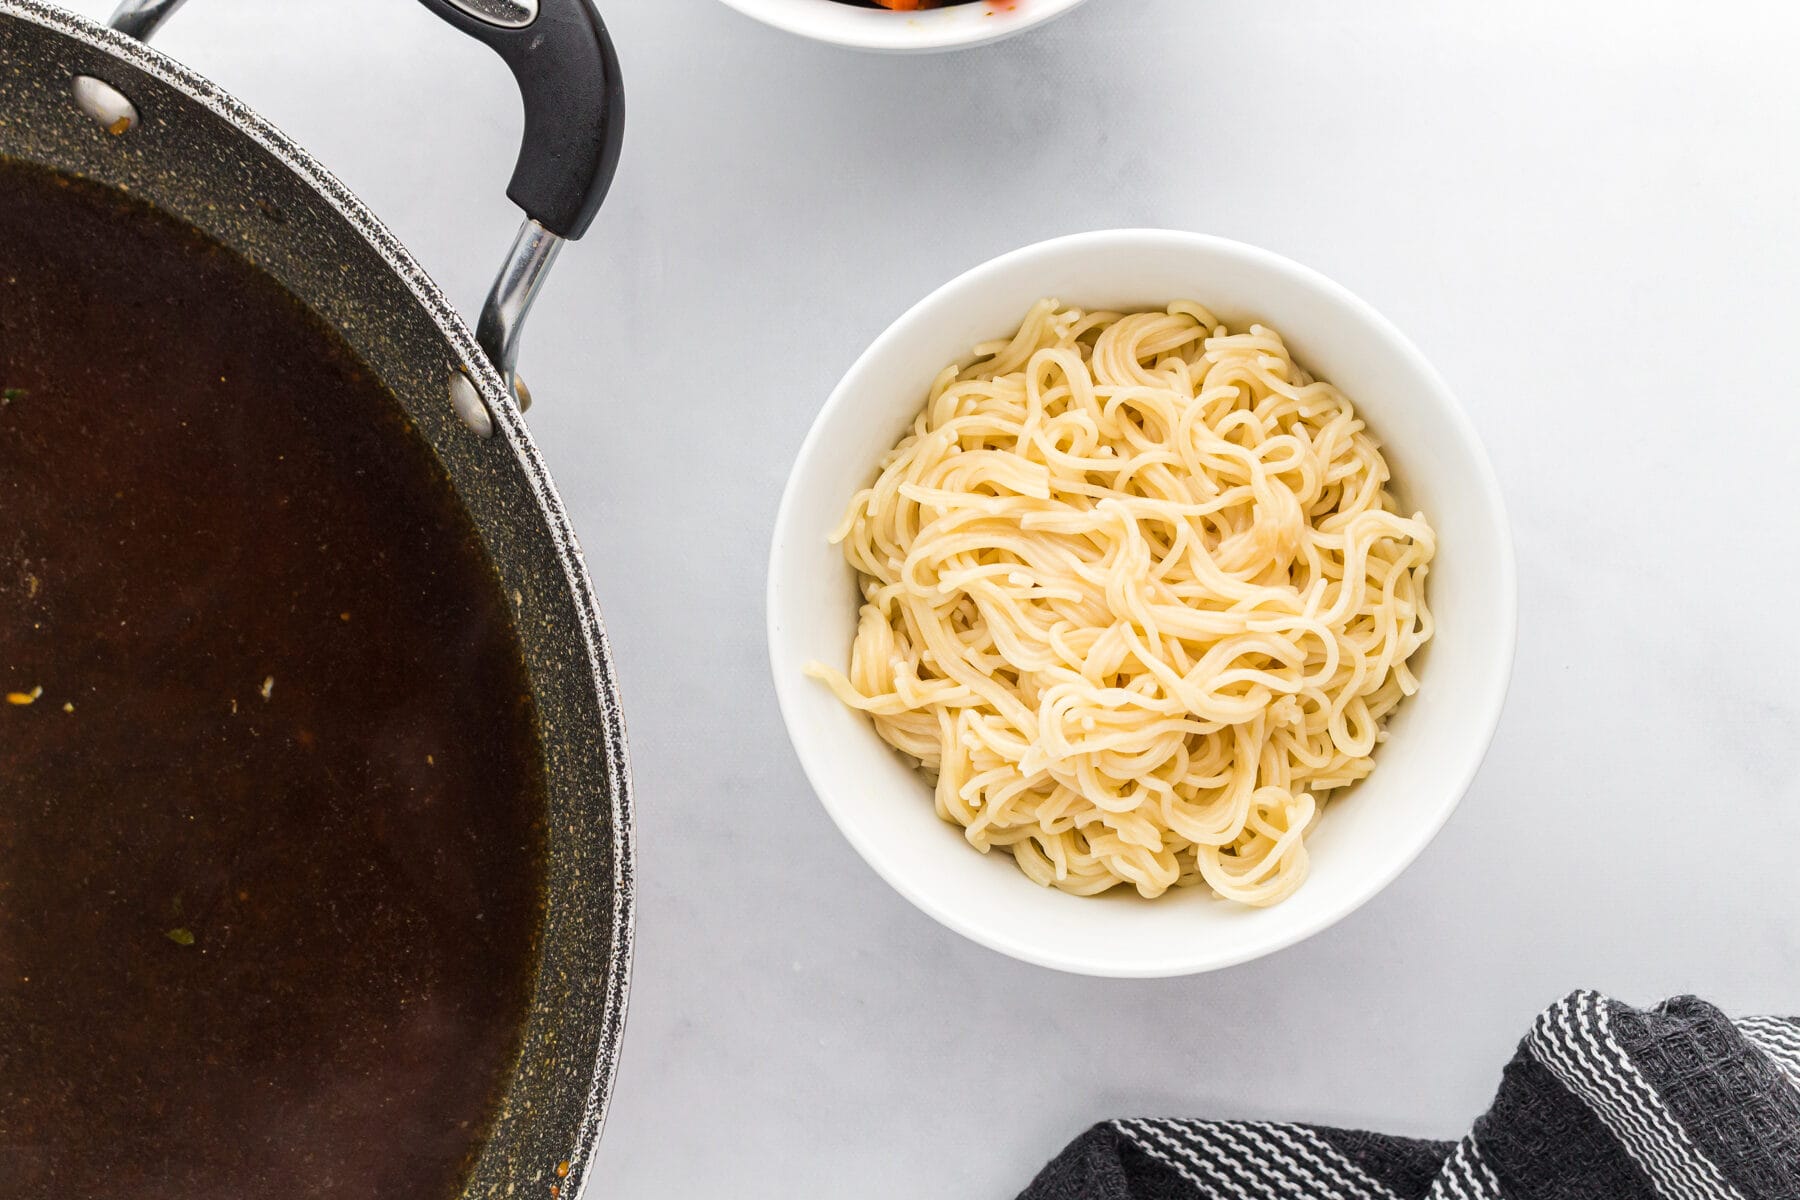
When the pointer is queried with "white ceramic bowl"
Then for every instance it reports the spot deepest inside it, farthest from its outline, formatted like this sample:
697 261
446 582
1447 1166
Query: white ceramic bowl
877 29
1367 834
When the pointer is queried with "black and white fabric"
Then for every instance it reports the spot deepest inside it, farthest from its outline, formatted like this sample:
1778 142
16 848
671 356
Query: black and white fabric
1602 1102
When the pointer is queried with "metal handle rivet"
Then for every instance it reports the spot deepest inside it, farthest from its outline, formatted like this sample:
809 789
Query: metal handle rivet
109 107
467 403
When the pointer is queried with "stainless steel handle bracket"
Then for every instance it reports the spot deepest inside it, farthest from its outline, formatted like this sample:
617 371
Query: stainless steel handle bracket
521 276
507 14
142 18
509 302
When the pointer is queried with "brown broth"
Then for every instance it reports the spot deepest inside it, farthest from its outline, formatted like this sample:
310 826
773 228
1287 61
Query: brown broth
256 939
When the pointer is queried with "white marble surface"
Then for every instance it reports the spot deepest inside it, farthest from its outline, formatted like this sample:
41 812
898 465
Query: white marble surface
1587 215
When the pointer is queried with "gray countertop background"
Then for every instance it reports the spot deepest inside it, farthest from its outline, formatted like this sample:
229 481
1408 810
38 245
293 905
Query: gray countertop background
1587 215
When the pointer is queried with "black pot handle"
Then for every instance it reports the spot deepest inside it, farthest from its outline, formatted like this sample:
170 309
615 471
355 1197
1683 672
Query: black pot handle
566 69
563 60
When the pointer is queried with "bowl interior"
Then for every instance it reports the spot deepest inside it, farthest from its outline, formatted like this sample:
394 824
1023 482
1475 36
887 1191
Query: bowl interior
1368 832
965 24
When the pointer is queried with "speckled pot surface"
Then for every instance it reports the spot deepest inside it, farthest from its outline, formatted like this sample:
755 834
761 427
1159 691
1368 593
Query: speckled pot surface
202 156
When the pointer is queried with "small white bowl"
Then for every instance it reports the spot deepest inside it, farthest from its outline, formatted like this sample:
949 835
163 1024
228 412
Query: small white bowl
1367 834
951 28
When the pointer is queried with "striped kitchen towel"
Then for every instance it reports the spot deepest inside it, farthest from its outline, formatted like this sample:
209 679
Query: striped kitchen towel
1602 1102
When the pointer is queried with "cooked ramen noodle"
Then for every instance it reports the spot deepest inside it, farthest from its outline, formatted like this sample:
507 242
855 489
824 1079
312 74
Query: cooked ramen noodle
1137 595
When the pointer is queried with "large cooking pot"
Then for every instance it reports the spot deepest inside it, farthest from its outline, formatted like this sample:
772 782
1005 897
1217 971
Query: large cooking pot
98 103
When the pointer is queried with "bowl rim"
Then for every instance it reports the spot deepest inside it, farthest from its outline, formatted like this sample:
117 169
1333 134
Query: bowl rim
860 29
1485 709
